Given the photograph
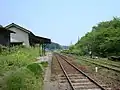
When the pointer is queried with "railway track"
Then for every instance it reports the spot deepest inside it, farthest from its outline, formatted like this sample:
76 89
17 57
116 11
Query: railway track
77 79
103 64
100 61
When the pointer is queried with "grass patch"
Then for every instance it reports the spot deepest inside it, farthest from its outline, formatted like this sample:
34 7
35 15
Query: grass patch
23 79
105 61
18 59
44 64
18 70
36 68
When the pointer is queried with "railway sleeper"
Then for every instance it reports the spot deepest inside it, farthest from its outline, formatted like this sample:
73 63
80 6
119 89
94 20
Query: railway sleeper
63 81
79 80
85 83
70 75
62 78
86 87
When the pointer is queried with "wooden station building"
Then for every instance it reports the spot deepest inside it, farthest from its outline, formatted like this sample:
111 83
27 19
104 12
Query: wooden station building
5 36
14 34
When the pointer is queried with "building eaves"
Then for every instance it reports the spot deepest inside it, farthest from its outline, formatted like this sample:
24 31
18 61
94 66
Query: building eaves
17 26
4 29
43 39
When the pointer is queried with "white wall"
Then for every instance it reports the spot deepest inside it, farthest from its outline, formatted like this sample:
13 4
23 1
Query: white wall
19 36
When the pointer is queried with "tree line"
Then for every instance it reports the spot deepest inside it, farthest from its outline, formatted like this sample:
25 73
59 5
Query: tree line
103 40
53 46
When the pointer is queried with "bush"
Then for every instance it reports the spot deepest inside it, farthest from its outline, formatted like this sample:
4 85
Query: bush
21 57
22 79
3 49
44 64
17 72
36 68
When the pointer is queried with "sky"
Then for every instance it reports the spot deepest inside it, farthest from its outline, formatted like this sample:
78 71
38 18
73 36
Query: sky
63 21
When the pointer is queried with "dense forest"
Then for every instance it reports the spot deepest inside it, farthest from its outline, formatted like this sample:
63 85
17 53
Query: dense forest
54 46
103 40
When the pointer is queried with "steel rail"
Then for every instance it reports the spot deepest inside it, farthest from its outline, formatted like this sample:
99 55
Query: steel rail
65 74
110 68
64 58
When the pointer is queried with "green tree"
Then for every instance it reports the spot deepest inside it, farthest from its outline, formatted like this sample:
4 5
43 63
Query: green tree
103 40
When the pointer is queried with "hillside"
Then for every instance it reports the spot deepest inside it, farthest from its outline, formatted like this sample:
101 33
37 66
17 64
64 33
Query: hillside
103 40
54 46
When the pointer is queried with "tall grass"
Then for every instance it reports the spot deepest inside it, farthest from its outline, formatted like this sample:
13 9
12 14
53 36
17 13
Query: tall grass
18 70
18 57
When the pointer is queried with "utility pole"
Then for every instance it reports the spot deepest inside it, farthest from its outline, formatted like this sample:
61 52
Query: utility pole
71 43
78 38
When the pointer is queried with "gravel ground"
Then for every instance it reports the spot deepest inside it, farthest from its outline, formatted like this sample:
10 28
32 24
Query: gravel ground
105 77
48 85
57 74
53 75
78 80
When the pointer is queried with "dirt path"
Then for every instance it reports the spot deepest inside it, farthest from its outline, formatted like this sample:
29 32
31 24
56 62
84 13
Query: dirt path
48 85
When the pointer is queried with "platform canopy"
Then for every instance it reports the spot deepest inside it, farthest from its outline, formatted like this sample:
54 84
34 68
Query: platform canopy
43 40
37 39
